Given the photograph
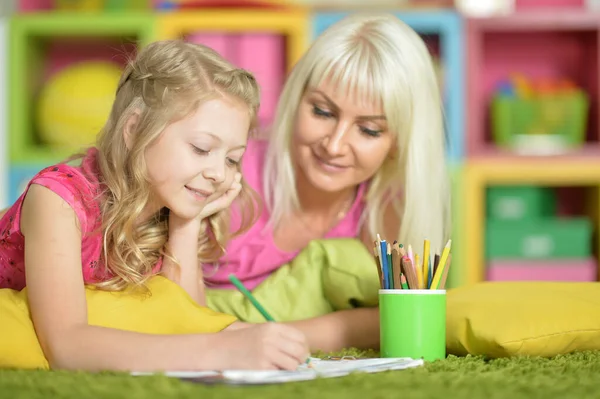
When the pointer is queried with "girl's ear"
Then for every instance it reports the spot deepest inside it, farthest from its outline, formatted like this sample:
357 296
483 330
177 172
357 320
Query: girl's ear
130 128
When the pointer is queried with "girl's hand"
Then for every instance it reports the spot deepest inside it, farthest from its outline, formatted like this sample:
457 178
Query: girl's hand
265 346
225 200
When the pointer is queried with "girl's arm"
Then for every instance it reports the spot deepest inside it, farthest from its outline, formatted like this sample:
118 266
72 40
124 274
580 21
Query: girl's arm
183 244
58 308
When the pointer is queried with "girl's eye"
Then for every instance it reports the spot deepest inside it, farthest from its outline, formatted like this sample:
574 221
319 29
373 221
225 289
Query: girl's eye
232 162
321 113
200 150
370 132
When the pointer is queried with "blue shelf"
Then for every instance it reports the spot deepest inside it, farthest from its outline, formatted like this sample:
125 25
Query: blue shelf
448 25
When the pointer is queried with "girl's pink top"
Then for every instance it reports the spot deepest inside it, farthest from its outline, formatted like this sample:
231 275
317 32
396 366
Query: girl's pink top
80 188
253 256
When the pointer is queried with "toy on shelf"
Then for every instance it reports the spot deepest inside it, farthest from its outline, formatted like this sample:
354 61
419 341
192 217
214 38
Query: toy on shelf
75 102
543 117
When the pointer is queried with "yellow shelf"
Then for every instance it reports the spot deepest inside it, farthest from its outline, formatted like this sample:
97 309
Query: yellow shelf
478 174
292 23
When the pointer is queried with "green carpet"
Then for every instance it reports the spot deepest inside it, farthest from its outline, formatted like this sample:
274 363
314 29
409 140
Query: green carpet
564 377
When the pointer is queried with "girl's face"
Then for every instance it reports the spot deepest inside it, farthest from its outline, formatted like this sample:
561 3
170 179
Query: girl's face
195 159
339 141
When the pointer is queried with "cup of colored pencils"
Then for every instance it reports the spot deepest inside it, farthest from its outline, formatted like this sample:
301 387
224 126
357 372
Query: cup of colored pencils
400 268
412 300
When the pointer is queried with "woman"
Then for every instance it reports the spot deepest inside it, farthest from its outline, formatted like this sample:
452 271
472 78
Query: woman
357 149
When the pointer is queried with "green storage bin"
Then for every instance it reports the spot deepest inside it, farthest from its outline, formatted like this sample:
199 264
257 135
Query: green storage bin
519 203
543 239
559 120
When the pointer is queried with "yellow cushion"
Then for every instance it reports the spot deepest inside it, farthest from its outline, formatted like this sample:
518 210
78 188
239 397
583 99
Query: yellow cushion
501 319
168 310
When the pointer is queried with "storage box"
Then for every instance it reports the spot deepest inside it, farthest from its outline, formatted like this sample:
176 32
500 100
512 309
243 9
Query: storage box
548 124
562 270
543 239
520 202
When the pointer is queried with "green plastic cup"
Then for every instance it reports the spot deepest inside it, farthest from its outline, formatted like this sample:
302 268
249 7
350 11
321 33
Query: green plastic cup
413 323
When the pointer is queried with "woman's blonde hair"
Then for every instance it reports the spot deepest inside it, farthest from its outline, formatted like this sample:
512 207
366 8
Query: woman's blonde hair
165 82
383 60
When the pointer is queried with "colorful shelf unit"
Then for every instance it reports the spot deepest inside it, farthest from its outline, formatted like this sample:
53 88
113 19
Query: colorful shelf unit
42 44
266 42
544 46
537 243
541 44
443 32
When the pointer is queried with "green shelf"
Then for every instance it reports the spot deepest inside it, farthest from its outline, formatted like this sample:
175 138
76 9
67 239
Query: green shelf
29 37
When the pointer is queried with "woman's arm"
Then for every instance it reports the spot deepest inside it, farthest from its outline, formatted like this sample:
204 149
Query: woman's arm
58 308
352 328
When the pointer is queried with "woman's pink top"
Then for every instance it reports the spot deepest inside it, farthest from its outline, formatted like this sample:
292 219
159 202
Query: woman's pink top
253 256
80 188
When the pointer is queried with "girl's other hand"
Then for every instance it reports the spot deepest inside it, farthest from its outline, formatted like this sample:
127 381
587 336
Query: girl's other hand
224 201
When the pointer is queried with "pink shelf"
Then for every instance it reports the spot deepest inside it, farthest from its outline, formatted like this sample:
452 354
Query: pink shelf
537 4
263 54
539 44
562 270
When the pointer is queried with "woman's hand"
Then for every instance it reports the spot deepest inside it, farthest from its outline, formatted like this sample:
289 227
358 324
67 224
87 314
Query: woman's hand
225 200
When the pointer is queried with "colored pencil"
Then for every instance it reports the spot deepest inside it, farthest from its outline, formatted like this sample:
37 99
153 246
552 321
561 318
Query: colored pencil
238 284
378 266
398 268
440 269
397 271
425 263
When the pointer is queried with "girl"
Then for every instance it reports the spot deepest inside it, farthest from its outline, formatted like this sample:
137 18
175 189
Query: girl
357 149
150 197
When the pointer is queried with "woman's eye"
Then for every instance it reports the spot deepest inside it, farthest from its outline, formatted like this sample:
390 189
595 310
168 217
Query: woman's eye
199 150
370 132
321 112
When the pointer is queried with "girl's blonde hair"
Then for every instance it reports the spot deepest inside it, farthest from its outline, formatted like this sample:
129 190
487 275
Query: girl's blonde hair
167 81
384 61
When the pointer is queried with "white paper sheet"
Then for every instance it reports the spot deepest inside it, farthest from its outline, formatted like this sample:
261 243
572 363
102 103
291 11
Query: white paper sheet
317 368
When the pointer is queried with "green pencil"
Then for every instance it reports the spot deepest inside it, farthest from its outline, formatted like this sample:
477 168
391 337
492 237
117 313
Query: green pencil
234 280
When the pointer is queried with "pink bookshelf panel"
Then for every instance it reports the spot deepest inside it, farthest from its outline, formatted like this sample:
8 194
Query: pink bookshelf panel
264 56
536 4
218 41
556 270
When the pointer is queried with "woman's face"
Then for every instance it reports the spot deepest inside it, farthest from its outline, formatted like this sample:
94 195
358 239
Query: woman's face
339 141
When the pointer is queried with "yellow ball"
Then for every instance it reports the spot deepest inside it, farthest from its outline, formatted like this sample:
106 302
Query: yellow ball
75 103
